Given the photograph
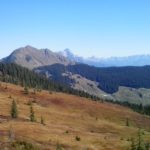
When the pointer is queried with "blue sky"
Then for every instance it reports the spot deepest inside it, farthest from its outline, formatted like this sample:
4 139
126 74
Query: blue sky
101 28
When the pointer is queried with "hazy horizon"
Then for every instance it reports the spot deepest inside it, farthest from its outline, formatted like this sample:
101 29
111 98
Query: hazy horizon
101 57
89 28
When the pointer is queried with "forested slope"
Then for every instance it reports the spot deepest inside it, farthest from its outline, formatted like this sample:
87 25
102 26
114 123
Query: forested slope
109 79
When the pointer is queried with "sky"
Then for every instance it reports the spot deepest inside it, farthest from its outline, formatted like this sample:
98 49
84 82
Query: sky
101 28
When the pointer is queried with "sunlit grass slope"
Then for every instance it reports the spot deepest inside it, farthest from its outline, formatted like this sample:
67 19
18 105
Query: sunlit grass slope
72 122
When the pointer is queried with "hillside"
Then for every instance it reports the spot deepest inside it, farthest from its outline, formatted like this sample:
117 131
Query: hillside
98 126
13 73
105 83
16 74
108 79
132 95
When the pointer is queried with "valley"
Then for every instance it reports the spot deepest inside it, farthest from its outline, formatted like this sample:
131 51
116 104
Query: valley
74 75
112 83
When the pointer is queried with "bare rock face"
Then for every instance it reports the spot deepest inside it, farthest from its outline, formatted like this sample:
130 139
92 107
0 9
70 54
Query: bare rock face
31 57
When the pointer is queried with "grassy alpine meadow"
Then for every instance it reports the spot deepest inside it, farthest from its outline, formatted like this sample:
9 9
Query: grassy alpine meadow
57 121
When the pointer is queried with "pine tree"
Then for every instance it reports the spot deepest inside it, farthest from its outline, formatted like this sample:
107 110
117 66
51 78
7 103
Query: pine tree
133 145
147 146
32 115
14 111
140 142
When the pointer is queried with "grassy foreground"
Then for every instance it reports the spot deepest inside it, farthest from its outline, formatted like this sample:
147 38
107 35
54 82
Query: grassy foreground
71 122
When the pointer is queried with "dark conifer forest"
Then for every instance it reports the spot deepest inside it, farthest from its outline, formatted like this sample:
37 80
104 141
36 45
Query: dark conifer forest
109 79
13 73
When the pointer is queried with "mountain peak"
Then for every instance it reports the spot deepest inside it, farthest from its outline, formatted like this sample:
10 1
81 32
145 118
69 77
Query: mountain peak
67 53
31 57
67 50
23 50
28 46
71 56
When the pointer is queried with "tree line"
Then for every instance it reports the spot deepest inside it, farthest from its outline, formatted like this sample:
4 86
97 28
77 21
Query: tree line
18 75
109 78
135 107
13 73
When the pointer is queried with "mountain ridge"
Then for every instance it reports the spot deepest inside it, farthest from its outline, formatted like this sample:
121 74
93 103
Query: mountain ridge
104 82
66 57
132 60
31 57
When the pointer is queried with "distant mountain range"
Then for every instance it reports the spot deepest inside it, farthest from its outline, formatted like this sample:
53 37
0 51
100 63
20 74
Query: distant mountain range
29 56
130 82
135 60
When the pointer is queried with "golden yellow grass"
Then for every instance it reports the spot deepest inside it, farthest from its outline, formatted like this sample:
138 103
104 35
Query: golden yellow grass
100 126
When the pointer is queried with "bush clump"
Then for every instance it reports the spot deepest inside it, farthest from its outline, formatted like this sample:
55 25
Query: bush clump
23 145
78 138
